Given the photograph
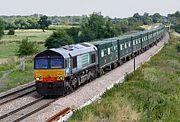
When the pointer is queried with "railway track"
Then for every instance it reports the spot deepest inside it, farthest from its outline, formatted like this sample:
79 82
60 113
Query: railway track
4 99
26 110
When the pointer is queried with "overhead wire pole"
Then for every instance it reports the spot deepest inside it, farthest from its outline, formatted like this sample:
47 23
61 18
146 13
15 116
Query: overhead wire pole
133 54
134 64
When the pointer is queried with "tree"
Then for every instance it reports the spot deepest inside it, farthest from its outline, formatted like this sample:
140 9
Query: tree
178 47
177 28
74 34
96 24
33 22
57 39
44 22
97 27
1 28
86 34
11 31
157 18
27 48
147 20
110 30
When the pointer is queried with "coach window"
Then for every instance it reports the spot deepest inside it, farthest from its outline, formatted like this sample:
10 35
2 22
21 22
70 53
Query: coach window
125 45
75 62
129 44
102 53
133 42
121 47
109 51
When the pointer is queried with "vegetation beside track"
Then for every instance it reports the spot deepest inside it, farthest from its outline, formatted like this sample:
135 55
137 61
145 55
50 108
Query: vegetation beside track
151 94
11 76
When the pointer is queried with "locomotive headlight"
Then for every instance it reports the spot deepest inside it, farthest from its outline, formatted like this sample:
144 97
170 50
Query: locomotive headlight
37 78
61 78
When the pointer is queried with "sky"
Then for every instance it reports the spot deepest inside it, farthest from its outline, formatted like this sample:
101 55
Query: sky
111 8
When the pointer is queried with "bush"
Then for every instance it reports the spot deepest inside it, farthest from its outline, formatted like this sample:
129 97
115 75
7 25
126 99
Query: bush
178 47
27 48
1 29
11 31
177 28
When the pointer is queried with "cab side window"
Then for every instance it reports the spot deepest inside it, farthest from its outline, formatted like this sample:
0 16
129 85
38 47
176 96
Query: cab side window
93 58
75 62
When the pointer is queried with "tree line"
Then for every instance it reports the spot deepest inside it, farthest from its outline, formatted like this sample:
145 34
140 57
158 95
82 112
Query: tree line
31 22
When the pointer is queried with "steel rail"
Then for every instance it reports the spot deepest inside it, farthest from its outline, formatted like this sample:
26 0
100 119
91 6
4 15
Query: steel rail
17 94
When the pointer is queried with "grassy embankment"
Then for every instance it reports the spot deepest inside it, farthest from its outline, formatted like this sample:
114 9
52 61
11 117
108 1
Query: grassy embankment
151 94
10 75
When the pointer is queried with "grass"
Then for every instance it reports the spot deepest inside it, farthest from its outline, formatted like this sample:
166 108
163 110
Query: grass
151 94
8 50
56 27
32 34
15 77
18 77
9 43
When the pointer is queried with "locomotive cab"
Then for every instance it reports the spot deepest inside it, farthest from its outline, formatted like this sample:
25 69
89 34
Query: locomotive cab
49 72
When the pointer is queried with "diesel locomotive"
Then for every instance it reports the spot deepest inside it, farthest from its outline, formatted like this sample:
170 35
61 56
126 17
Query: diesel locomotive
58 71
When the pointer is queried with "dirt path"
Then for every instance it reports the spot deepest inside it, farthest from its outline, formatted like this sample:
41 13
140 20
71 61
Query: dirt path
3 60
4 78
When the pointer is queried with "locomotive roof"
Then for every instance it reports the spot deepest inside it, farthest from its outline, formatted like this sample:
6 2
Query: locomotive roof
74 49
104 41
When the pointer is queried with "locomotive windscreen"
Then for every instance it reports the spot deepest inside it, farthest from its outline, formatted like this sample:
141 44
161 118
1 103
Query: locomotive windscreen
41 63
56 63
49 63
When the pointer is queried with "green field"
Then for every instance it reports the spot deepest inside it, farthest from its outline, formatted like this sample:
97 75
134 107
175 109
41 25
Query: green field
56 27
152 94
9 43
32 34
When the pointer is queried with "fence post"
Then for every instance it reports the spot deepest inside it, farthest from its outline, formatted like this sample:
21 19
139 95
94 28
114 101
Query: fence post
22 63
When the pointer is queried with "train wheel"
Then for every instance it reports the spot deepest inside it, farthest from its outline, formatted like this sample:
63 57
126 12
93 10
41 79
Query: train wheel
75 82
68 88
